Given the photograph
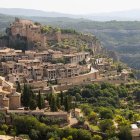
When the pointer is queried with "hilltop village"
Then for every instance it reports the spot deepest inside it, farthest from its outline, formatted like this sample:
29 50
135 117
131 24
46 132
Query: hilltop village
50 70
48 61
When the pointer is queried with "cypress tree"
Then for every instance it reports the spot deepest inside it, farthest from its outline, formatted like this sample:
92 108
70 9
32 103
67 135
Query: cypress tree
25 96
28 97
18 88
33 104
53 105
67 103
61 98
58 102
41 102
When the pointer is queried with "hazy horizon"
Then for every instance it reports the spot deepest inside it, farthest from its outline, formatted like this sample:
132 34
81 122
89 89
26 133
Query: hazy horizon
75 7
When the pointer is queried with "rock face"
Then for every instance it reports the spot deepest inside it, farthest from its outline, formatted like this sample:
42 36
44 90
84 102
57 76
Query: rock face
25 34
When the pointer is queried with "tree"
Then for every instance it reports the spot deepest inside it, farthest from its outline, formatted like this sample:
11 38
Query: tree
40 101
49 98
61 98
119 69
2 117
122 91
53 105
67 103
4 127
18 88
33 104
137 94
34 134
81 120
125 133
78 97
106 113
92 117
26 96
105 124
97 137
69 138
86 109
83 135
58 102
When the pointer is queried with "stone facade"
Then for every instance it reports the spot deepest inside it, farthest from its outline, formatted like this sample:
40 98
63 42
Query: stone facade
36 66
76 57
9 98
31 33
79 79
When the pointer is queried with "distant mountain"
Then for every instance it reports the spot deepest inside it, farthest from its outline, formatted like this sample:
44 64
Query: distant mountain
32 12
128 15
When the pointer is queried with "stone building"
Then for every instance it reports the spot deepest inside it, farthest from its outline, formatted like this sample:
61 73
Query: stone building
31 33
7 54
9 98
76 57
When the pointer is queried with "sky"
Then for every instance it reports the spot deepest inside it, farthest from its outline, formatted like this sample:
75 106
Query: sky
73 6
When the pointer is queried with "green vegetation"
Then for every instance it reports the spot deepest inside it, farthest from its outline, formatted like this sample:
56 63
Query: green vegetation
49 29
108 110
69 31
30 126
62 102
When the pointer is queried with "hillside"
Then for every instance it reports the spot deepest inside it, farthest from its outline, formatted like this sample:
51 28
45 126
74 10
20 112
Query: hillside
121 36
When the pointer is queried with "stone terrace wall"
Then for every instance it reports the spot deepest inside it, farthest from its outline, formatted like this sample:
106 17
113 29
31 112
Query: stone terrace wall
79 79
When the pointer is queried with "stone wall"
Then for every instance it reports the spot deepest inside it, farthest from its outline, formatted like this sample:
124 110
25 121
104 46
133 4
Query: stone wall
79 79
14 102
